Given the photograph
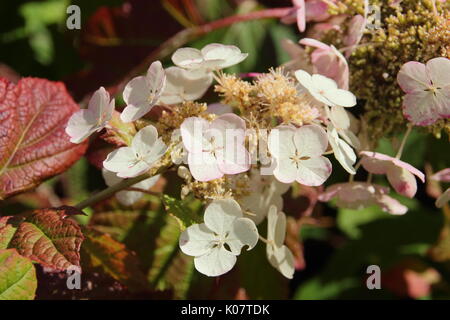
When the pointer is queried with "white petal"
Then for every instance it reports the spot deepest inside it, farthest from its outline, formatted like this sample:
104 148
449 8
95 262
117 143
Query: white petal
204 166
158 149
340 118
439 71
342 151
99 105
156 77
233 159
192 132
242 233
81 125
187 58
314 171
310 140
134 112
183 85
282 259
197 240
137 91
285 170
226 55
220 215
215 263
340 97
144 139
120 160
276 226
281 142
323 83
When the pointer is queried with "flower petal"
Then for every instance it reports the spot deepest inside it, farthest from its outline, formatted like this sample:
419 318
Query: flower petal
276 226
340 97
402 181
285 170
314 171
443 199
203 166
439 71
216 262
390 205
144 140
282 259
197 240
310 140
413 77
192 133
81 125
225 55
221 214
281 142
243 233
418 107
187 58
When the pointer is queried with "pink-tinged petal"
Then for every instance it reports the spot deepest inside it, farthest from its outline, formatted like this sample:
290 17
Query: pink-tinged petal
374 165
443 198
203 166
439 71
441 102
355 32
314 43
187 57
221 214
285 170
310 140
314 171
418 108
316 10
443 175
99 104
192 131
301 15
330 192
228 128
390 205
402 181
395 161
413 76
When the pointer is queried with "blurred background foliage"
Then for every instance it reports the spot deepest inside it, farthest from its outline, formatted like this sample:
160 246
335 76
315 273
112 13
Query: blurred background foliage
411 250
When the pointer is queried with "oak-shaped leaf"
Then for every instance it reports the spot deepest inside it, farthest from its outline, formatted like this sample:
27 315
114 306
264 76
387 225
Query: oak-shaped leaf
50 237
17 276
33 143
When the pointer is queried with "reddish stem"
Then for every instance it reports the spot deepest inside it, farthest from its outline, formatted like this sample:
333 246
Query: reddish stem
189 34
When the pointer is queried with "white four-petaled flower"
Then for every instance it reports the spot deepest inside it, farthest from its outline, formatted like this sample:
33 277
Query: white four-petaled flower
279 255
216 242
298 154
341 150
215 148
427 89
325 90
146 148
143 92
85 122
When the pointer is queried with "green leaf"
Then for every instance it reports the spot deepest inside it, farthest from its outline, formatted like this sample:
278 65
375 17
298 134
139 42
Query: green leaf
17 276
171 269
279 32
49 237
101 251
180 211
7 232
350 221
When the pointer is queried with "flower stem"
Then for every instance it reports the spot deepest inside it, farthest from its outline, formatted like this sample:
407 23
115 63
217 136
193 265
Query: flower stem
402 145
108 192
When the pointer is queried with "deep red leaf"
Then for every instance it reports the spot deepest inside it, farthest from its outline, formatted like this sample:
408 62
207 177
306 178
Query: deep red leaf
33 142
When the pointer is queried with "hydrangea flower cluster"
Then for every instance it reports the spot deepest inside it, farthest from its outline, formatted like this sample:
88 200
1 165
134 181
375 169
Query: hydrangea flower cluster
241 155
